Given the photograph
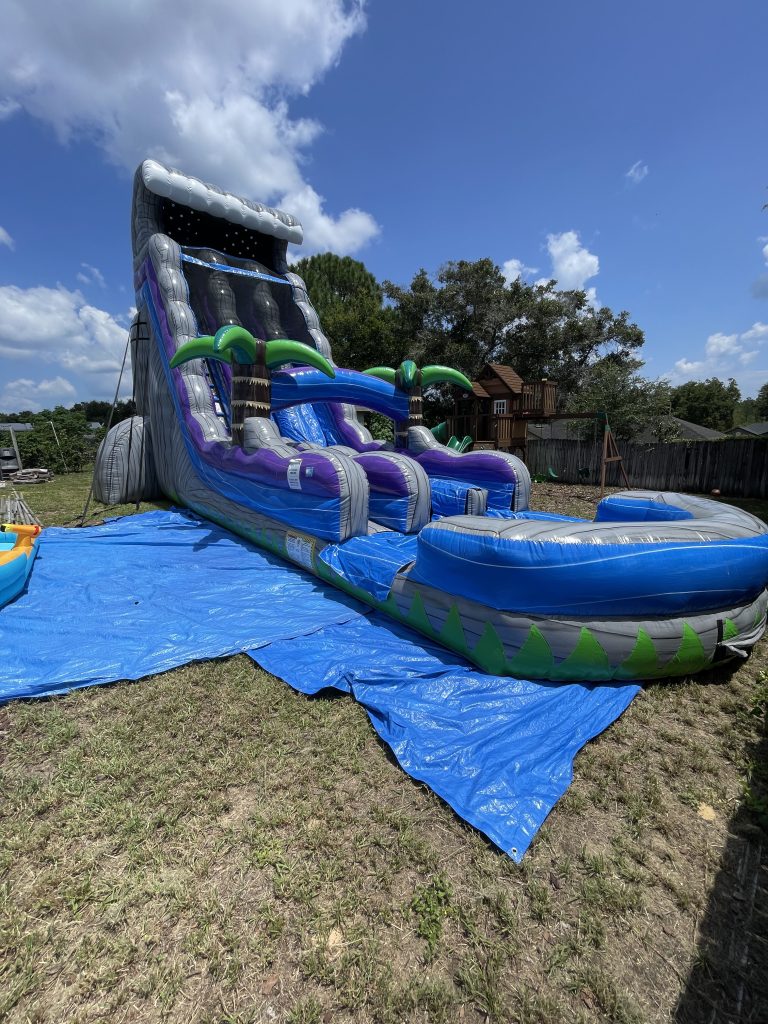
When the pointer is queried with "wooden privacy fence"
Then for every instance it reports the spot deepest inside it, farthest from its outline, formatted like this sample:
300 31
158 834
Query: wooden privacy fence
738 468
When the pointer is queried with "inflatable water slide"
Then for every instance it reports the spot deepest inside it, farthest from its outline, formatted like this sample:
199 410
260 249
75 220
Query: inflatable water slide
243 417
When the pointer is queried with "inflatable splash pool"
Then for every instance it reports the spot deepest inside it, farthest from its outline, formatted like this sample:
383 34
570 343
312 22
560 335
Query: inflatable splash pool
243 417
18 547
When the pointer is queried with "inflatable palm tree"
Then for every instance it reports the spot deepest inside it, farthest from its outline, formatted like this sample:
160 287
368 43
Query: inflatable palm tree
251 360
409 378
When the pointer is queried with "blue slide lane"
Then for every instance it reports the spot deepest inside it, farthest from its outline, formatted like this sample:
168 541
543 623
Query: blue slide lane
148 593
309 385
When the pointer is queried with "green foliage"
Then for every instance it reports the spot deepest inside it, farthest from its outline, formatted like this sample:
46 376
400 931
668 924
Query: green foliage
431 905
632 403
78 441
471 317
710 403
462 322
761 404
98 412
558 335
381 427
348 300
747 412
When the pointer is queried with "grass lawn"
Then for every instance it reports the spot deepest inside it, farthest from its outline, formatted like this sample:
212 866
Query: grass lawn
209 846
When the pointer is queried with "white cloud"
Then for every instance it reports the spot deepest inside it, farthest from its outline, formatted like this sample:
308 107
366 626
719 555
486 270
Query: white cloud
45 330
722 345
637 172
5 239
513 269
572 264
91 275
203 87
36 395
7 109
724 356
686 368
757 332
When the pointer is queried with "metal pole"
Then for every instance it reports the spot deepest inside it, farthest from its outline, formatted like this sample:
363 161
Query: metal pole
109 424
15 444
56 436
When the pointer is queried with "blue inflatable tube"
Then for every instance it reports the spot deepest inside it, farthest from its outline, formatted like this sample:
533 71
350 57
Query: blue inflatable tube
294 387
555 577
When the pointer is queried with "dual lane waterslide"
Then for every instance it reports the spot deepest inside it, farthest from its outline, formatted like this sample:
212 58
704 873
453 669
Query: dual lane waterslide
659 585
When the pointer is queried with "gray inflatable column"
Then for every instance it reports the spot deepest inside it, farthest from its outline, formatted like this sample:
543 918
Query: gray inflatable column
124 469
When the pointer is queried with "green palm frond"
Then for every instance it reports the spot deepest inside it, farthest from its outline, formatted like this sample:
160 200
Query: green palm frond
230 342
283 350
407 376
444 375
234 339
382 372
195 348
235 343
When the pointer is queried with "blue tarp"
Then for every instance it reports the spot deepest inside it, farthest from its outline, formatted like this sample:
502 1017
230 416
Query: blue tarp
147 593
498 750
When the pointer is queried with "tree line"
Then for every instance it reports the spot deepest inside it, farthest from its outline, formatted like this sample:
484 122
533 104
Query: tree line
63 440
469 315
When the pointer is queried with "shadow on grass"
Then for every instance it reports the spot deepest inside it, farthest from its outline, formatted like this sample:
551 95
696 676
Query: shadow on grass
728 983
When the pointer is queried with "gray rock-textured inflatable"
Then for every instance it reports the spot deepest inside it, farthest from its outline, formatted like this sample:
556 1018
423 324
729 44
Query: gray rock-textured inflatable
124 470
659 585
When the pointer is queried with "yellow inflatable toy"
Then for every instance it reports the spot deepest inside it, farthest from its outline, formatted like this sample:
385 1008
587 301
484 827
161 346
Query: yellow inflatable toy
18 547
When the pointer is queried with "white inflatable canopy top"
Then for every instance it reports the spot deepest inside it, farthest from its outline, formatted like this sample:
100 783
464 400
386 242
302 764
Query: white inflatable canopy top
187 191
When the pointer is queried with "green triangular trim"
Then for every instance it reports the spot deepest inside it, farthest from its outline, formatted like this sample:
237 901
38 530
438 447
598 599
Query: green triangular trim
587 660
452 633
643 662
690 655
418 618
437 617
730 630
534 659
489 652
390 606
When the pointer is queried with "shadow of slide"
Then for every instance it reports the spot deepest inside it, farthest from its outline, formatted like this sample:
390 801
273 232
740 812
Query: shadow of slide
728 982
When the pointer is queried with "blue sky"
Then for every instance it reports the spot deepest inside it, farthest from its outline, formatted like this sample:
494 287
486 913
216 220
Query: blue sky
620 148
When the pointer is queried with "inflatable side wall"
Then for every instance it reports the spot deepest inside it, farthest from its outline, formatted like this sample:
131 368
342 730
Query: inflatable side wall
659 585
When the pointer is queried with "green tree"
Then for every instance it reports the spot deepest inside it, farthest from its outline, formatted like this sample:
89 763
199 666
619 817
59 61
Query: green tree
746 412
60 439
559 335
761 403
98 412
349 302
710 403
632 403
470 316
415 319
